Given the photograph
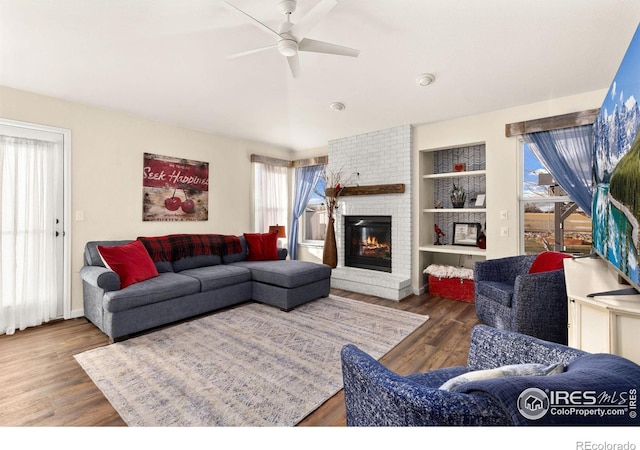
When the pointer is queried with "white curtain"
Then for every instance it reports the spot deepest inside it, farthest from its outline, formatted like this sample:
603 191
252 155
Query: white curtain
28 275
270 196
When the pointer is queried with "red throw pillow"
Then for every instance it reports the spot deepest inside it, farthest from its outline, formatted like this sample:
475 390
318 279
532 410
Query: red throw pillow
262 246
130 261
548 261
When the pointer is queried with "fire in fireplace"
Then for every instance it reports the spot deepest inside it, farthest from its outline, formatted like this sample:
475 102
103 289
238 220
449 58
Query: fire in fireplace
367 242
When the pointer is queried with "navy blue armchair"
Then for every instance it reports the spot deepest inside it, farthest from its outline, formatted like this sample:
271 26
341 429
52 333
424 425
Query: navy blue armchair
376 396
508 297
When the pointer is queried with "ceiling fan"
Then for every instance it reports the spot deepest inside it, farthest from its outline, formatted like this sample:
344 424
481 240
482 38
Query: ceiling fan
291 38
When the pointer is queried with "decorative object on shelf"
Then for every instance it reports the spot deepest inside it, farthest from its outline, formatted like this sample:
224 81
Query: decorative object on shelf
439 234
458 196
459 167
481 200
482 238
438 204
466 233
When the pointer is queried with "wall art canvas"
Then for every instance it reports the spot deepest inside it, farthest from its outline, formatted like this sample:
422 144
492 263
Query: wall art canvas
174 189
616 169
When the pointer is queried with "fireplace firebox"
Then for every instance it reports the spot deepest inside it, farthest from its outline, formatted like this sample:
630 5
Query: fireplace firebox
367 242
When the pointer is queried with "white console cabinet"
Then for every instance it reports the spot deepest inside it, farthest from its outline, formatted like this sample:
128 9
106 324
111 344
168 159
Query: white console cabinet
606 323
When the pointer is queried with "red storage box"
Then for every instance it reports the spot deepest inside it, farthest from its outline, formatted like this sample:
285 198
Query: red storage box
455 283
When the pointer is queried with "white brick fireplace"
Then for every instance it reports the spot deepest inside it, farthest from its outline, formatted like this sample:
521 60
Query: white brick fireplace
376 158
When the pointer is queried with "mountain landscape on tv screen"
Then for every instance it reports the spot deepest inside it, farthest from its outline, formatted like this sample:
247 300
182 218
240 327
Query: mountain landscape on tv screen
616 169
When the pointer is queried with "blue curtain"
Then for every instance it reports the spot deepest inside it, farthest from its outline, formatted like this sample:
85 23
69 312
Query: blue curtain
305 181
567 154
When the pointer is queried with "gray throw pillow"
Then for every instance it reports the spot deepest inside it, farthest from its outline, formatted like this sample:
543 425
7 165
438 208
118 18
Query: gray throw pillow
514 370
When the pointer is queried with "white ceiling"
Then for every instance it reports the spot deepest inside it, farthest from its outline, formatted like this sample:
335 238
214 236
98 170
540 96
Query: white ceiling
167 60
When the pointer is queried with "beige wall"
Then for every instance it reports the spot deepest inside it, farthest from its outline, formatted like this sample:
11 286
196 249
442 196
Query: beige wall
106 169
106 172
503 169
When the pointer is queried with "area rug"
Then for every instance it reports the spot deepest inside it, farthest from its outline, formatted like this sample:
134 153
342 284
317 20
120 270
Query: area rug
254 365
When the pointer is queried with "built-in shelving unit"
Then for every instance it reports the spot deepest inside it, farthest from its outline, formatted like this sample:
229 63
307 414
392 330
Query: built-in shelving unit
440 169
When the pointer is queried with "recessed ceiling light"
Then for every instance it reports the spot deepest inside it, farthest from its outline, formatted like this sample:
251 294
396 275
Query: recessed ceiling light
337 106
425 79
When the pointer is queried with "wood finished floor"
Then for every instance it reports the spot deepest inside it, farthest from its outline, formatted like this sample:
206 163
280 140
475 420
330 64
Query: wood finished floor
43 385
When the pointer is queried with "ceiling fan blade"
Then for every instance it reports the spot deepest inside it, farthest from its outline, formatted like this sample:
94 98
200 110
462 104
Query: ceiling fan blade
250 52
294 65
312 18
310 45
253 20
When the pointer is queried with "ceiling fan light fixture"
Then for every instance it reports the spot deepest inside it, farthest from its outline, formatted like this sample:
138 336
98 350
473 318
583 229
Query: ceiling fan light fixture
287 47
337 106
425 79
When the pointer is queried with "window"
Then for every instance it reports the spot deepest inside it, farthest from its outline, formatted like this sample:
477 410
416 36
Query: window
270 196
314 219
550 220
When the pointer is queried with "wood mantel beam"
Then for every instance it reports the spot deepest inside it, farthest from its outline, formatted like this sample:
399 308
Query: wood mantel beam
377 189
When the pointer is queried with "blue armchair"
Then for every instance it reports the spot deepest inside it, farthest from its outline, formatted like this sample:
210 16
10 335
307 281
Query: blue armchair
508 297
376 396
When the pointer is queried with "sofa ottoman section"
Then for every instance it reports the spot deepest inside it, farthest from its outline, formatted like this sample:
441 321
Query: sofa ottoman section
286 274
287 284
288 298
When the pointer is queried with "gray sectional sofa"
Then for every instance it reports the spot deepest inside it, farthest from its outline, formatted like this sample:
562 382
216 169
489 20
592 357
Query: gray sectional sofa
192 286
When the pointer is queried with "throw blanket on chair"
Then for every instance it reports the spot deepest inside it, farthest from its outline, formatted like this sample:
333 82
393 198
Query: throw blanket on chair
176 246
595 389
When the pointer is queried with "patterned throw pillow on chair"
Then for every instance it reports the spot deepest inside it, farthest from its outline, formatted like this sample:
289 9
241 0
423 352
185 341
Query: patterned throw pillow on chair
514 370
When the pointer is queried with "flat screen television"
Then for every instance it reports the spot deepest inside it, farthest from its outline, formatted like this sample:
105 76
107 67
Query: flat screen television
615 211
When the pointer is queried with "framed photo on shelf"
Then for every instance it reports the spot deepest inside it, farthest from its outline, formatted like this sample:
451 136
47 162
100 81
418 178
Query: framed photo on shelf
481 200
466 233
